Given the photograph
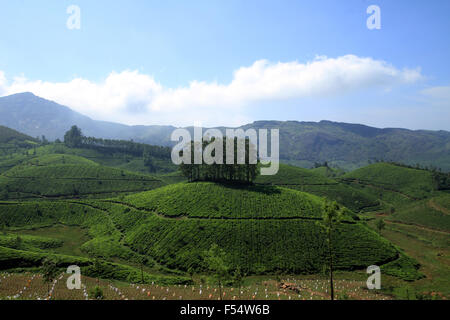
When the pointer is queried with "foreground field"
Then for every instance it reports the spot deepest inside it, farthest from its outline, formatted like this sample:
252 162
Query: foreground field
29 286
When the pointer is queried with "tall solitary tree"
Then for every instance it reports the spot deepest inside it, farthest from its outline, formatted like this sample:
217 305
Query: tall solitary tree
49 271
238 279
380 225
215 259
73 138
332 216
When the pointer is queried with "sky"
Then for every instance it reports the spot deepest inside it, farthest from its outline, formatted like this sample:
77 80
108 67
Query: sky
232 62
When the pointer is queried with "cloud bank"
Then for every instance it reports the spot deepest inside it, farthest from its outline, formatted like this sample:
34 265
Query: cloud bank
135 98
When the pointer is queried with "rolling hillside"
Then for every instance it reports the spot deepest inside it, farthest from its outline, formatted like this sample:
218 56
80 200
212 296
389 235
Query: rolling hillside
316 183
262 229
54 176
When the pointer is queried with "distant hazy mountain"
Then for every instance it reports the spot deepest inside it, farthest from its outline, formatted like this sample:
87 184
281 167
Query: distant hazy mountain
36 116
301 143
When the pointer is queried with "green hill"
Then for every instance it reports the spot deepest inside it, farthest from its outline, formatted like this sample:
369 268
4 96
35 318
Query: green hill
393 183
8 135
312 182
57 159
262 229
213 200
69 176
328 171
13 142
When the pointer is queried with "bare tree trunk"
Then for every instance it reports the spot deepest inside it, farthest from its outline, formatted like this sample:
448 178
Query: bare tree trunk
220 290
330 252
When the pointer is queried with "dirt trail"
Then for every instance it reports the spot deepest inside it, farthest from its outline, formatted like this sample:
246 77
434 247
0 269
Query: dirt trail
438 207
365 183
417 226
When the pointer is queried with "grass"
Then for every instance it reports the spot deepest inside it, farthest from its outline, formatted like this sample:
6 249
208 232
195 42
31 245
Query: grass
70 237
431 249
421 213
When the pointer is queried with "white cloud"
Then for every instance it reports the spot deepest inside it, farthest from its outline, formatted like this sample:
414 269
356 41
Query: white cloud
441 93
136 98
2 83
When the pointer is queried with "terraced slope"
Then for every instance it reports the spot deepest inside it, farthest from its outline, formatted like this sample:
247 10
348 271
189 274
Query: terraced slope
388 178
315 183
262 229
47 177
213 200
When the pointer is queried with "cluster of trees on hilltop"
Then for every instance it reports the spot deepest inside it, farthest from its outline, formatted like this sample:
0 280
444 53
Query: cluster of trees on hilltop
239 173
75 139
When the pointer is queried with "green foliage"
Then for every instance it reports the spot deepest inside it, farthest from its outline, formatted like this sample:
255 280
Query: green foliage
407 182
256 245
215 259
404 268
28 242
380 225
214 200
71 180
244 168
96 293
16 259
315 183
49 270
423 214
73 138
11 136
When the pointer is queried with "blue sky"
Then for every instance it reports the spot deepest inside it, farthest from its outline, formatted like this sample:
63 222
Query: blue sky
179 62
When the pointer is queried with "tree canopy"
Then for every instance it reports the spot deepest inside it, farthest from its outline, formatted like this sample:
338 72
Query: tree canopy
73 138
236 172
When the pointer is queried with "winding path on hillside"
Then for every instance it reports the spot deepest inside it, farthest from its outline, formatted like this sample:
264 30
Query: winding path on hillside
438 207
416 225
184 216
364 183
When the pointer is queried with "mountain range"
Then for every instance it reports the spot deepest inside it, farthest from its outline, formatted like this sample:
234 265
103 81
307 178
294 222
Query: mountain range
301 143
